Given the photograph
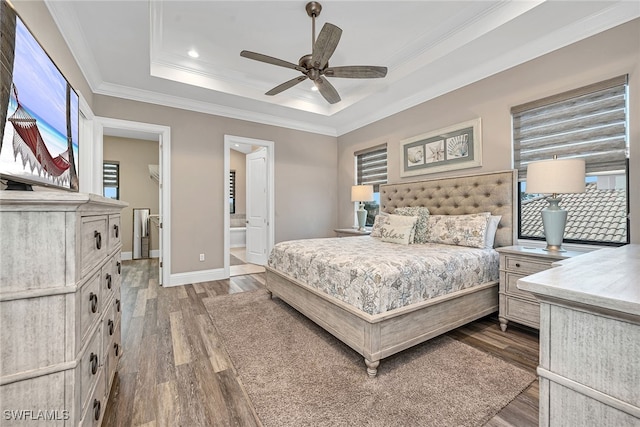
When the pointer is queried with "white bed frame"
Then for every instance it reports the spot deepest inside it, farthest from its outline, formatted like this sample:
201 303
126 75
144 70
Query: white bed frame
378 336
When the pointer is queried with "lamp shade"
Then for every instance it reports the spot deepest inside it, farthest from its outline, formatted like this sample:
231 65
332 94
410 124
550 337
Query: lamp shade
558 176
362 193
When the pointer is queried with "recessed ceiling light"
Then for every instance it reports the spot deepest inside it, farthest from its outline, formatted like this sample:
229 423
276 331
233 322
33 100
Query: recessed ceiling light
192 53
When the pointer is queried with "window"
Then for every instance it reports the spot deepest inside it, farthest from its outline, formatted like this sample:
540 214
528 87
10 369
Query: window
232 192
371 169
111 179
588 123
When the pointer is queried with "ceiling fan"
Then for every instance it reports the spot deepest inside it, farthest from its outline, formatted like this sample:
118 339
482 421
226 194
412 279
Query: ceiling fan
316 65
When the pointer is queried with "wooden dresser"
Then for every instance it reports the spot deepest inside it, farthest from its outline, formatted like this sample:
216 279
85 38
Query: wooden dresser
60 275
590 339
517 262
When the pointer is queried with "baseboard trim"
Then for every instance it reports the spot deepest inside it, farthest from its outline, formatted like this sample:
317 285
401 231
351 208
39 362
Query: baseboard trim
178 279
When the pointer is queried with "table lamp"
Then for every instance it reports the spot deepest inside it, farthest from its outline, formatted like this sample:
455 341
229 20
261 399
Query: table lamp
362 193
557 176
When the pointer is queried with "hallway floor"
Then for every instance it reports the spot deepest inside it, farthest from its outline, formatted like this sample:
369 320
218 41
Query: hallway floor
239 265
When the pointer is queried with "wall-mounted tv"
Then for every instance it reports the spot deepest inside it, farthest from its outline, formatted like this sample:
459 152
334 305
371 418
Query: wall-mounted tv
39 114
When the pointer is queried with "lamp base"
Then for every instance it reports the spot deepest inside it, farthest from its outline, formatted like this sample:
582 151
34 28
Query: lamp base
362 217
554 219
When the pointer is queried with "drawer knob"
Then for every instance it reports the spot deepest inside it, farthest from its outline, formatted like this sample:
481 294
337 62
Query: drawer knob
93 359
110 323
116 230
118 305
119 264
517 264
94 302
96 409
98 236
116 349
108 281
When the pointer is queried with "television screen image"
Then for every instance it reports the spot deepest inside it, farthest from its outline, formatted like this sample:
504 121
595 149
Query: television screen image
39 135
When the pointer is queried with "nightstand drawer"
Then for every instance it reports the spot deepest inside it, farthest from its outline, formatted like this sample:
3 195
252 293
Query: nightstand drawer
512 288
524 266
525 312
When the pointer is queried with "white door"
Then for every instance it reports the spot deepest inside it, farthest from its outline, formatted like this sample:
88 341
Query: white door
160 218
257 225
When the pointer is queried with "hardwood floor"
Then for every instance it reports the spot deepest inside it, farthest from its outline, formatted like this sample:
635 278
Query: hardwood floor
175 372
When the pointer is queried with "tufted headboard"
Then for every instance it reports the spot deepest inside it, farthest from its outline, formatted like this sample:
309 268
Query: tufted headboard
488 192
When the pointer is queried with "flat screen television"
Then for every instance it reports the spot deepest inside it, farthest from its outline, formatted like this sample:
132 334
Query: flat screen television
38 111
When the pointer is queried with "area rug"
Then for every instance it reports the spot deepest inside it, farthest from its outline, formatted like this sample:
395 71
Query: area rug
296 374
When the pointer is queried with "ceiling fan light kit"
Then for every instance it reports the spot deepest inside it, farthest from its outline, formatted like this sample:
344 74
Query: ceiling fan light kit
315 66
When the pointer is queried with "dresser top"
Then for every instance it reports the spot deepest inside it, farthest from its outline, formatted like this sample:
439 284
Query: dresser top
55 201
607 278
537 252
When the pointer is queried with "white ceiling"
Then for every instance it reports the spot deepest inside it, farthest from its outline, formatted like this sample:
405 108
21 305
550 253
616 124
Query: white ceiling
138 50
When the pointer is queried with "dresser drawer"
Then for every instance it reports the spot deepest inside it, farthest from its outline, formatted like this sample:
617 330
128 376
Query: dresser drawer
511 281
94 410
93 241
90 303
524 265
113 354
110 325
115 235
110 278
91 365
525 312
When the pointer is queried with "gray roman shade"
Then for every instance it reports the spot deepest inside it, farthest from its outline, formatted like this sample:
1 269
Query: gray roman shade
588 123
372 166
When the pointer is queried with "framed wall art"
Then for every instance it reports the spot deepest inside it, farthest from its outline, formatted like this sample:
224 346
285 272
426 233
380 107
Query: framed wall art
454 147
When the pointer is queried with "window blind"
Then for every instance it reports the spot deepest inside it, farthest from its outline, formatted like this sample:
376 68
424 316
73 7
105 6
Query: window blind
232 185
372 167
587 123
110 174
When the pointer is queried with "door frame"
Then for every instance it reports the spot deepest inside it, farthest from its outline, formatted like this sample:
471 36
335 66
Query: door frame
229 141
127 128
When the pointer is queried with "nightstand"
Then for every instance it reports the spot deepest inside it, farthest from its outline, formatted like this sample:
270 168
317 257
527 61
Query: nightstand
344 232
517 262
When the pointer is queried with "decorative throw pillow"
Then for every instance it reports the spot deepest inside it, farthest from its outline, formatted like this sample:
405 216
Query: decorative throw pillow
492 227
421 224
381 219
401 220
400 234
461 230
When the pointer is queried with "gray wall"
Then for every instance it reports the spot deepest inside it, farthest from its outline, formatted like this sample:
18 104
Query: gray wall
609 54
305 178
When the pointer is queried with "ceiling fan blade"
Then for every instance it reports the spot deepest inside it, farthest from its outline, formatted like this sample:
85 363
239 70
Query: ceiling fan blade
286 85
327 90
325 45
271 60
356 72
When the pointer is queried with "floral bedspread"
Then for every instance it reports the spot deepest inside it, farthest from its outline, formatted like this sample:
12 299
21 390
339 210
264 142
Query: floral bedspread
376 276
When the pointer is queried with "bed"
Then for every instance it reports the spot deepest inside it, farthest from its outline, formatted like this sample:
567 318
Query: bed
379 327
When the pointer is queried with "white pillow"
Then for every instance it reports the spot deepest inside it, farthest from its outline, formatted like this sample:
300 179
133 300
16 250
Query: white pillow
381 219
400 234
492 227
402 220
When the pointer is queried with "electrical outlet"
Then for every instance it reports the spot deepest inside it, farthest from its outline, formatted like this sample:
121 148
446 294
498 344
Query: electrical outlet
201 257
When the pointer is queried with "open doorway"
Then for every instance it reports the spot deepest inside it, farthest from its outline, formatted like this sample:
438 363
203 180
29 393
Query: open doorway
249 201
150 132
